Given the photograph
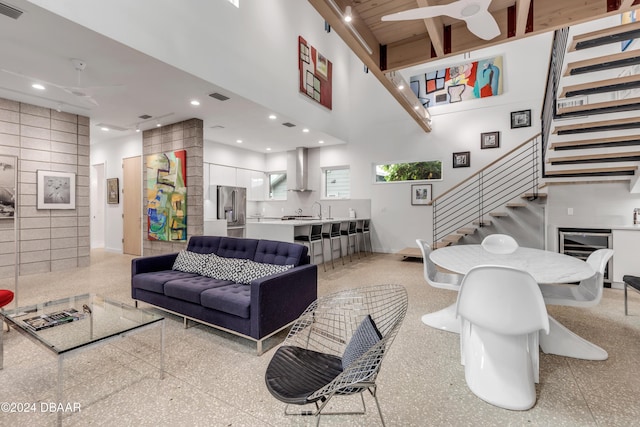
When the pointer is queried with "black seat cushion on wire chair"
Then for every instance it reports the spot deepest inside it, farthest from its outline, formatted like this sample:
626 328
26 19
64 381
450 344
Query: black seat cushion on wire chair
295 373
633 281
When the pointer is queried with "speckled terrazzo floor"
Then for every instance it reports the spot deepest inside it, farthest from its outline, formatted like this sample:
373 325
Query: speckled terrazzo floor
215 379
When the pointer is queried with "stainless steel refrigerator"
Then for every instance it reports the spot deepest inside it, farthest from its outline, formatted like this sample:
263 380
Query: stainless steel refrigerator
232 206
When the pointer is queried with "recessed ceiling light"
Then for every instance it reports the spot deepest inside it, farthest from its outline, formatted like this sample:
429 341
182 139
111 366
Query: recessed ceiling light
305 130
268 148
38 86
416 107
272 116
239 141
195 102
105 129
321 142
158 125
400 86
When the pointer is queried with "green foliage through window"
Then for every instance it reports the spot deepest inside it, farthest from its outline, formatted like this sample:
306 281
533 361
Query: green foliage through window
416 171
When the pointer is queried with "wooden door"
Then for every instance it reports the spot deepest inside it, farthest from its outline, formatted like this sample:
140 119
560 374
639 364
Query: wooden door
132 205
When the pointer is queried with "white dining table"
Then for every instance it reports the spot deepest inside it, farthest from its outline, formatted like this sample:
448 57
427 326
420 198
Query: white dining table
545 267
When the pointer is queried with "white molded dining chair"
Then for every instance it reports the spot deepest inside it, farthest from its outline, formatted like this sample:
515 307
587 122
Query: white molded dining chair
502 312
499 244
588 293
444 319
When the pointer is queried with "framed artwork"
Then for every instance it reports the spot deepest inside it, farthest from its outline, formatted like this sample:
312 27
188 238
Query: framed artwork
316 74
520 119
55 190
462 159
8 186
113 191
489 140
421 194
167 196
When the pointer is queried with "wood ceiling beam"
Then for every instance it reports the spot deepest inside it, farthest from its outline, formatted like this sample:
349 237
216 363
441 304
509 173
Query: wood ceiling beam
522 16
371 61
435 28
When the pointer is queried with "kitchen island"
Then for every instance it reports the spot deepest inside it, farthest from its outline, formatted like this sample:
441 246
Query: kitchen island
286 229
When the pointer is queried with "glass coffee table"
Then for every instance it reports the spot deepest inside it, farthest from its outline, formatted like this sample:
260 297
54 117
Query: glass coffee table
70 325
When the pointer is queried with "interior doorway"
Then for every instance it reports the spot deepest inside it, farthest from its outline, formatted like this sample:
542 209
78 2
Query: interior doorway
97 206
132 205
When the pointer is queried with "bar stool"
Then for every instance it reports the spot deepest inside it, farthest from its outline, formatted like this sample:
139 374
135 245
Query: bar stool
366 235
348 229
314 236
333 234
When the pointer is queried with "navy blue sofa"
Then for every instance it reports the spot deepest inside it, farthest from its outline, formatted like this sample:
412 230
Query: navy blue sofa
255 311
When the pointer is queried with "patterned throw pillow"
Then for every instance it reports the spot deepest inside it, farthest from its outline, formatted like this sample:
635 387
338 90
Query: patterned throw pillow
190 262
222 268
255 270
365 337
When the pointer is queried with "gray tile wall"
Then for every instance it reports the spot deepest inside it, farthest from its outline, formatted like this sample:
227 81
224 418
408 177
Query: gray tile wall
49 240
187 135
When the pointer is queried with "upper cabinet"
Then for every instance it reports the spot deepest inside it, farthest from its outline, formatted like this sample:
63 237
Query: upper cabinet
257 189
253 181
223 175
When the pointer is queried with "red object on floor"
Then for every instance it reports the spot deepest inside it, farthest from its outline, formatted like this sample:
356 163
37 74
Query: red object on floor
6 297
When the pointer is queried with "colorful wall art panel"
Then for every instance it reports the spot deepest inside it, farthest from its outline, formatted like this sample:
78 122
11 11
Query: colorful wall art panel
471 80
7 186
315 73
167 196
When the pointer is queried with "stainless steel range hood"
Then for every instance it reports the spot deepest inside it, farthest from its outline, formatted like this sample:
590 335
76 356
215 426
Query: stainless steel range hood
301 170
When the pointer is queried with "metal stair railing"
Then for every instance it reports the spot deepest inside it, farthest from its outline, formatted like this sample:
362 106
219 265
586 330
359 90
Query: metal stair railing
499 182
556 61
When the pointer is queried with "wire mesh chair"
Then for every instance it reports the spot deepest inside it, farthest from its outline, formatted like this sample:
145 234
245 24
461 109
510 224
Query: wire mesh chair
317 360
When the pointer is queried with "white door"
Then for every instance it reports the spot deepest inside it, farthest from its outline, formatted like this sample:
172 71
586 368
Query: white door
97 195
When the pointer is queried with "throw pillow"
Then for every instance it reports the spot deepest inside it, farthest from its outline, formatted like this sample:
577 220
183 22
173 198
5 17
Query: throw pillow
362 340
222 268
190 262
254 270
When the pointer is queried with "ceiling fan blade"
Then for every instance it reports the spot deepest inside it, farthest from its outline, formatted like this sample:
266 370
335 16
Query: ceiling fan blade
34 79
418 13
483 25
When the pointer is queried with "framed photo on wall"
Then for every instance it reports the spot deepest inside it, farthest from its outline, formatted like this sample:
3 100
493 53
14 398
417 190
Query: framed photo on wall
489 140
462 159
55 190
421 194
520 119
113 191
8 184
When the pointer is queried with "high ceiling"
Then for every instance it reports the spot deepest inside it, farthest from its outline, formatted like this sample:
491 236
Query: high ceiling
402 44
126 84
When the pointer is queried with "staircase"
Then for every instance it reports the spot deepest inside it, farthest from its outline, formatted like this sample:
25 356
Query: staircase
593 128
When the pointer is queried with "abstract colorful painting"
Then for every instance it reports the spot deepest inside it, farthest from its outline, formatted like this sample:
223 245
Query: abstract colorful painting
316 73
167 196
7 186
471 80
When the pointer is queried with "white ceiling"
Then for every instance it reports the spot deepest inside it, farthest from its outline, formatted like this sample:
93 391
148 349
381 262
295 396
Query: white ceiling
126 84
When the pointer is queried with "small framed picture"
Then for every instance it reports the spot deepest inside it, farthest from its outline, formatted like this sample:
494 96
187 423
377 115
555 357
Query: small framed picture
490 140
462 159
421 194
520 119
113 191
56 190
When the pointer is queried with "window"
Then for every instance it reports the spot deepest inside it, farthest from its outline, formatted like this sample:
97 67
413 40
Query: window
278 186
416 171
336 183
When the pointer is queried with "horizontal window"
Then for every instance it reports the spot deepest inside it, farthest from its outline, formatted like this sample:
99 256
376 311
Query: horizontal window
416 171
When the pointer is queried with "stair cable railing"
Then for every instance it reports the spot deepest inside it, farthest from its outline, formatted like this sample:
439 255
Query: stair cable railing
508 177
556 61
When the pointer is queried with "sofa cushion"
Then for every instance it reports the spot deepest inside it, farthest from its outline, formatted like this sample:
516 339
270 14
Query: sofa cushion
280 253
234 247
190 262
233 299
154 281
222 268
254 270
204 244
190 288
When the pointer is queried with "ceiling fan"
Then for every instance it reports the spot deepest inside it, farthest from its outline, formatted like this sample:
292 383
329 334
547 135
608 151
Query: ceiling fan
474 12
82 92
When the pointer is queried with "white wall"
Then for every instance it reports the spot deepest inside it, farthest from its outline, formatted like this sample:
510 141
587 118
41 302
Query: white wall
111 154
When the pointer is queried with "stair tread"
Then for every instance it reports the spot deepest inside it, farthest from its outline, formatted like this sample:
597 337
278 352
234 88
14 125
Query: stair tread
466 230
595 157
438 245
529 195
596 141
453 238
604 34
610 170
498 214
600 124
600 85
598 106
482 222
516 205
574 68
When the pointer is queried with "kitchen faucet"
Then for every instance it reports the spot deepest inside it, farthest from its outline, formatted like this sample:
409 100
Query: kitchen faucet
320 209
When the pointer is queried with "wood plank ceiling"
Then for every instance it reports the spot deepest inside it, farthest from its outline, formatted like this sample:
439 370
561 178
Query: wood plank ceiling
386 47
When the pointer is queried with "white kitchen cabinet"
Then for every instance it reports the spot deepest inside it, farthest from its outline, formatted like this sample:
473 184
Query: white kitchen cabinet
625 257
243 179
222 175
257 190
